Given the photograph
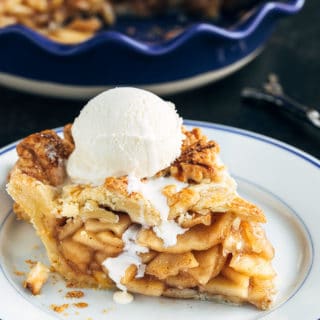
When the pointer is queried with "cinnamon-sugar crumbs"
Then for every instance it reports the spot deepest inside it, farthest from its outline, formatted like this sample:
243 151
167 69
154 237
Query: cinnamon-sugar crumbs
81 305
67 133
30 262
54 279
197 160
42 155
19 273
74 294
59 308
70 284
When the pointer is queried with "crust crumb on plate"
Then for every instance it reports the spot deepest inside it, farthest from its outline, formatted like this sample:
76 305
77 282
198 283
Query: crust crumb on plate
80 305
59 308
74 294
36 278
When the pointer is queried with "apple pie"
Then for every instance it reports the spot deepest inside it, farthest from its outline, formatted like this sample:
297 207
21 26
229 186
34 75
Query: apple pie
211 246
74 21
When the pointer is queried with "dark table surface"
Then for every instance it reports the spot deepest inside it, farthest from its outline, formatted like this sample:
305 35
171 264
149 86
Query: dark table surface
293 53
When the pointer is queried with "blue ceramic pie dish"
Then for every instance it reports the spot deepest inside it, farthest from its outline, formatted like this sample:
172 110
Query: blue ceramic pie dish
202 52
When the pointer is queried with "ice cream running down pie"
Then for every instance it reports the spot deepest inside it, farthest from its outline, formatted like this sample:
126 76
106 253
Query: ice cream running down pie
183 232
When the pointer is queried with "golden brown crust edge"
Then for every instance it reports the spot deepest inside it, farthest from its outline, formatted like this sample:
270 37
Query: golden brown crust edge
34 197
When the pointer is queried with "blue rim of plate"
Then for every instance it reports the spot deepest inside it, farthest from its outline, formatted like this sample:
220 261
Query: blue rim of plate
242 31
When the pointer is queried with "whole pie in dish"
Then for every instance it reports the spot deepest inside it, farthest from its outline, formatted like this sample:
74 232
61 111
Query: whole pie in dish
74 21
182 233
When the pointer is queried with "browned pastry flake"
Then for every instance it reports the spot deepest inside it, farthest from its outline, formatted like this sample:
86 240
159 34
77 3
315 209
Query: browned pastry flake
197 159
42 155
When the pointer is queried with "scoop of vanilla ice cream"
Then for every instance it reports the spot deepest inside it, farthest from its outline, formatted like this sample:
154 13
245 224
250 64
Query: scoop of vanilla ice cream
124 131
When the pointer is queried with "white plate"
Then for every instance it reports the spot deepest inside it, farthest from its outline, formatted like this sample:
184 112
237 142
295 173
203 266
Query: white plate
282 180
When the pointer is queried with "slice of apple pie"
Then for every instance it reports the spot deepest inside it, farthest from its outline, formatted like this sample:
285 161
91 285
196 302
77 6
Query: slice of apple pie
184 233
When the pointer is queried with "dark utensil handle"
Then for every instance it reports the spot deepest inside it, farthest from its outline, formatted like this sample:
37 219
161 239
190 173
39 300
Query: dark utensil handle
283 102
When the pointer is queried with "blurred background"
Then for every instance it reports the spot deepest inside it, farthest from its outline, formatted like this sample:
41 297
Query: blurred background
292 53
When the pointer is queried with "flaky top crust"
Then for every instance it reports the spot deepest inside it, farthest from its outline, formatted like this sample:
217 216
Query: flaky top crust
42 158
42 155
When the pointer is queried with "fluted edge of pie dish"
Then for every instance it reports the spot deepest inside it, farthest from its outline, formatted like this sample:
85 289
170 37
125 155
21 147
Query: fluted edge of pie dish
113 58
271 9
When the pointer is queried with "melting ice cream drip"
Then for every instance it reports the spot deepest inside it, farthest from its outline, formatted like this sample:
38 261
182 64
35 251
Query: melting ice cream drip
151 189
117 266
